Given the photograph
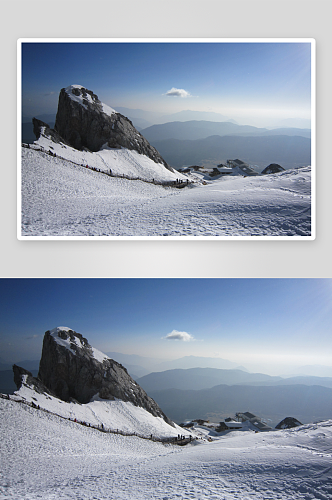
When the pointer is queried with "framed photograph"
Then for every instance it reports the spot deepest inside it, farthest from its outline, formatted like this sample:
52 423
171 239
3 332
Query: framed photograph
167 139
166 389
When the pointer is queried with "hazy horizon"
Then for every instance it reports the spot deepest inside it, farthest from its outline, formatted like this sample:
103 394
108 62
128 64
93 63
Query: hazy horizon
255 83
270 325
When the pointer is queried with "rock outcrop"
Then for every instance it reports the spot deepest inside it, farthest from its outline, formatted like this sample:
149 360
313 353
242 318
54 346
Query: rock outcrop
41 128
85 122
288 423
24 377
72 369
273 168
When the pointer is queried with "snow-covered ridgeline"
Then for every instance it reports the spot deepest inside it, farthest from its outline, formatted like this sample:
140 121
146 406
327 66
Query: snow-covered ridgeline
118 162
115 416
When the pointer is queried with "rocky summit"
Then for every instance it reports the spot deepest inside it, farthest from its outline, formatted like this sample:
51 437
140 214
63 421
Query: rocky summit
74 370
85 122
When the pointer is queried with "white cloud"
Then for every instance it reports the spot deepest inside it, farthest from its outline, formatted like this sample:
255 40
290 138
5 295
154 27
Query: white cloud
178 93
175 335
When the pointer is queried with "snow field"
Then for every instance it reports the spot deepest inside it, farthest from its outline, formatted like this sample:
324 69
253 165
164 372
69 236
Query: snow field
63 199
59 198
44 456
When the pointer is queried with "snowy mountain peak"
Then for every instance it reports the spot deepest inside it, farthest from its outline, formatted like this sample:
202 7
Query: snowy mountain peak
87 98
59 329
72 369
73 341
84 122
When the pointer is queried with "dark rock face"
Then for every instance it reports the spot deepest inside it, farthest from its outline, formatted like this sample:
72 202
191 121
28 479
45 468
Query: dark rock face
72 369
288 423
24 377
273 168
85 122
42 128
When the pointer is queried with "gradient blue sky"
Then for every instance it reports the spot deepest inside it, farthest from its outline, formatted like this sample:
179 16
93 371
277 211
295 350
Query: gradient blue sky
245 81
250 321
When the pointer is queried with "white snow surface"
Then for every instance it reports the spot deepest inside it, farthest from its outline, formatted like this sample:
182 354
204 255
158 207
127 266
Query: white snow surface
64 342
48 457
62 198
79 98
120 161
98 355
114 415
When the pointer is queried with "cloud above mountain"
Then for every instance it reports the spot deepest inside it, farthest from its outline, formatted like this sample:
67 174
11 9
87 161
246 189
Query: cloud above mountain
174 92
175 335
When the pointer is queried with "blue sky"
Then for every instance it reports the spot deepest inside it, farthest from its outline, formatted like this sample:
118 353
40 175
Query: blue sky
245 81
250 321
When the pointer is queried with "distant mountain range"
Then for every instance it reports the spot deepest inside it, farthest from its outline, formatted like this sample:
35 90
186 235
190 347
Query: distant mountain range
187 115
287 151
206 378
214 394
303 402
199 129
138 366
140 118
199 362
144 119
199 378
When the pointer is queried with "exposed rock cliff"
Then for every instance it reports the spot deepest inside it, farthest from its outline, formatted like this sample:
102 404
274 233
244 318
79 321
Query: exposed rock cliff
273 168
71 368
288 423
41 128
24 377
85 122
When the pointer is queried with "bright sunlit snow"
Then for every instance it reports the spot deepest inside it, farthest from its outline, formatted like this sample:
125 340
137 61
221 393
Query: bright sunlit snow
80 99
113 415
98 355
49 457
60 197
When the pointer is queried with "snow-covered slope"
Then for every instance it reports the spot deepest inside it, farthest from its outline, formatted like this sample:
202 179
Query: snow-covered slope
61 198
44 456
114 415
120 162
